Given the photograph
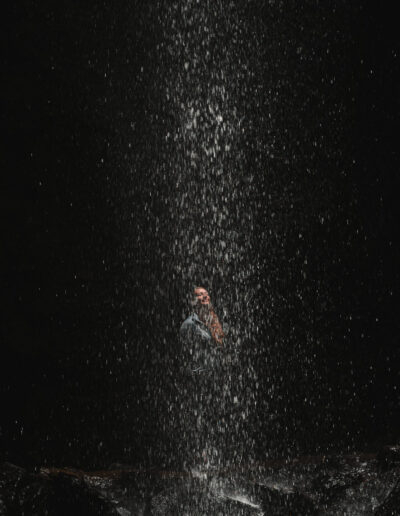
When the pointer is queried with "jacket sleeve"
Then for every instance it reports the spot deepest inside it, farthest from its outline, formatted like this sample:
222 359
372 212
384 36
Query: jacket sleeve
194 350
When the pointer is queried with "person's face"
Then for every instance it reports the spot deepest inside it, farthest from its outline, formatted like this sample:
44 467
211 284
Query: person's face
202 296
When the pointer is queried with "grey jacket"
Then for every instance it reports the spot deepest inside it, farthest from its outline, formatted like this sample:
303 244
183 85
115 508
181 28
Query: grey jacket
201 353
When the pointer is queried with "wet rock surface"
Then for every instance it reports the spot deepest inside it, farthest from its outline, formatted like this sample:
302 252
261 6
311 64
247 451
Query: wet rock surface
44 493
315 485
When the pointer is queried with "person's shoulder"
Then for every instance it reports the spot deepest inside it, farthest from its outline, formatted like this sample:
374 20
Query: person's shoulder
188 324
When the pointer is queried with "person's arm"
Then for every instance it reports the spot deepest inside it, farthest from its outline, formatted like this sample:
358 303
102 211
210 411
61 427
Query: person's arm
194 346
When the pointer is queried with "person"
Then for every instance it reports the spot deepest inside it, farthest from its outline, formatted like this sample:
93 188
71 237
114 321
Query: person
202 330
203 353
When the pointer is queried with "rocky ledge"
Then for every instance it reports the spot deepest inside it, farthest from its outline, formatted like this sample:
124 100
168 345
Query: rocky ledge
358 484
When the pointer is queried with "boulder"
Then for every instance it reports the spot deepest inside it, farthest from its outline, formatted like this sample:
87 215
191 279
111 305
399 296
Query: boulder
279 501
40 494
391 506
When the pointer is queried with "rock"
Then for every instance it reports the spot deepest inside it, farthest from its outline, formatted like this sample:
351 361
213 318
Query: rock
391 506
197 497
42 494
279 501
330 485
353 484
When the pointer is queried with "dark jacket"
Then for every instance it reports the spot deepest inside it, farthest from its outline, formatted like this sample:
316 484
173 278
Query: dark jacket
201 354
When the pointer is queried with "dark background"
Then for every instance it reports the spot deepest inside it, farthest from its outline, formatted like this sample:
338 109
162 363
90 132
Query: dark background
91 303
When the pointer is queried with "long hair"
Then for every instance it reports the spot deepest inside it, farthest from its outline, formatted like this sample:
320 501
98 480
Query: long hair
211 321
215 328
